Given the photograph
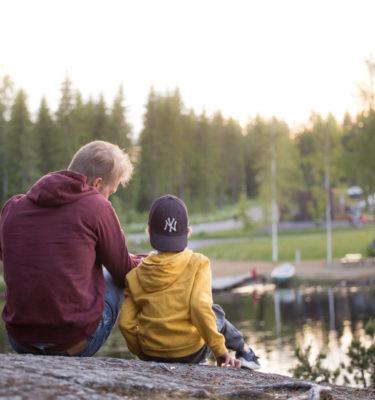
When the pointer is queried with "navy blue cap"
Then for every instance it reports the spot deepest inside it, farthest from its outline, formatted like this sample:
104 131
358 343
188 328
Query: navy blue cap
168 224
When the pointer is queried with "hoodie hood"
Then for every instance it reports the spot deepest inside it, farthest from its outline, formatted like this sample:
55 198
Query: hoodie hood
58 188
159 271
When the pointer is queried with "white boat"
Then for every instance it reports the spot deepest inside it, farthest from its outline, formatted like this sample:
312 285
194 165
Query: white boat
283 273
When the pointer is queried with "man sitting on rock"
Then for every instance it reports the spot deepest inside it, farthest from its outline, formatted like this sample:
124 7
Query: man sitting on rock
54 241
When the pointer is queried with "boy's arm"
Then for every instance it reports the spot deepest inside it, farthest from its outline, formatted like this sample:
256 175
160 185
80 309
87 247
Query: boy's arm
201 312
128 323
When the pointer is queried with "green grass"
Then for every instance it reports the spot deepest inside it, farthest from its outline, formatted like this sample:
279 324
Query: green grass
257 233
139 248
134 222
311 244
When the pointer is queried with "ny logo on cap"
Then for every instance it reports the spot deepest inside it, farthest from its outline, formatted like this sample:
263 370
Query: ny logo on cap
170 224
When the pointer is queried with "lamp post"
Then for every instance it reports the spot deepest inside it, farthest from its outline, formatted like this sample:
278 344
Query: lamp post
327 187
274 208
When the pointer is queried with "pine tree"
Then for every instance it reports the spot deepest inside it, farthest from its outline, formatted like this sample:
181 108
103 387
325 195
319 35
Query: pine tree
147 165
312 146
100 123
46 140
202 176
5 93
22 159
161 157
89 112
83 116
67 138
119 130
359 137
233 156
261 136
220 159
361 148
119 133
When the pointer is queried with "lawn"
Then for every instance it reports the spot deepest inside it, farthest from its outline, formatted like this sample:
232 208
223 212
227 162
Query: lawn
312 246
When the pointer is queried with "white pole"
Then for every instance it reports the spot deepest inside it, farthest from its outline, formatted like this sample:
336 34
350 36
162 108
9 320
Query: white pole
297 256
274 209
327 187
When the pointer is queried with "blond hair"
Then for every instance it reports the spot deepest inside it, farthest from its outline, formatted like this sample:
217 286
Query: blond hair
100 159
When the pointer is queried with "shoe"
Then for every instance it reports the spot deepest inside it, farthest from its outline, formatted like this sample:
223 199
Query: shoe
248 359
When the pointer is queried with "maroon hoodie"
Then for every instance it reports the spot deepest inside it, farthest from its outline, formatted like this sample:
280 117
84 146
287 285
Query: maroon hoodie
53 241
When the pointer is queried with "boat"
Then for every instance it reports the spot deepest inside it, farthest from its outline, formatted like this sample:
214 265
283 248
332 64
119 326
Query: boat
283 273
230 282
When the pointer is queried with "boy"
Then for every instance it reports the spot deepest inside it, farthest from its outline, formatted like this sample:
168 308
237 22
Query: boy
168 314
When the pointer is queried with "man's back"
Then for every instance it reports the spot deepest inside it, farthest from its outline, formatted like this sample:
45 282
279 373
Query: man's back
52 259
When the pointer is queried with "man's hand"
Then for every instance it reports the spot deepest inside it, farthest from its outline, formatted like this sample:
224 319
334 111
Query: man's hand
227 361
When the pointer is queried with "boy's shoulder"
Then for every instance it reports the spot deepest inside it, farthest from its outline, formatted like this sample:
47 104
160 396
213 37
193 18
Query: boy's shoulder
131 275
200 258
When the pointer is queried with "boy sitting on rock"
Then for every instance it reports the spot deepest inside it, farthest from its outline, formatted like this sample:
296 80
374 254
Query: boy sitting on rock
168 315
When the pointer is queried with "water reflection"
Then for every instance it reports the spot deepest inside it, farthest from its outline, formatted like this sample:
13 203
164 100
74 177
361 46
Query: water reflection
274 322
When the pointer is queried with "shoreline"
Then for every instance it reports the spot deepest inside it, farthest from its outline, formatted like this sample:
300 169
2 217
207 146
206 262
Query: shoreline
307 270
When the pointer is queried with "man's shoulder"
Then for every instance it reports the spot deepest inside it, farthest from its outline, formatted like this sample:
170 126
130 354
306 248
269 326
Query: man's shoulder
96 198
12 201
97 203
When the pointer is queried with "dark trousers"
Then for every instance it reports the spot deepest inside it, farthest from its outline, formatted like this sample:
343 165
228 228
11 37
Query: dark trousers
233 341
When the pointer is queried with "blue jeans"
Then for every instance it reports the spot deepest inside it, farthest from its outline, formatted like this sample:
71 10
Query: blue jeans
112 303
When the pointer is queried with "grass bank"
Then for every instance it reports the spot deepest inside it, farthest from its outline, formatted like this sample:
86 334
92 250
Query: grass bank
312 245
134 222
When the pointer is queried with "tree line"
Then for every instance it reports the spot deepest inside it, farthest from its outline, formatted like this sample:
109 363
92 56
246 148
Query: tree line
208 160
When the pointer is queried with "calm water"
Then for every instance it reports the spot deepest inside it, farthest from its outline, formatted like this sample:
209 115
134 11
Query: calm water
274 321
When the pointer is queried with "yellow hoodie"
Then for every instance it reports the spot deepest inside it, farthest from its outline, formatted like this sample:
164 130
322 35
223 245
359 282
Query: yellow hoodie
167 310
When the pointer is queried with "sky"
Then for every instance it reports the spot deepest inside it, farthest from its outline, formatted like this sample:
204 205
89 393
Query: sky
243 57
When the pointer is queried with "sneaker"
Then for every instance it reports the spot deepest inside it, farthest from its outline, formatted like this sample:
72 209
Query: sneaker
248 359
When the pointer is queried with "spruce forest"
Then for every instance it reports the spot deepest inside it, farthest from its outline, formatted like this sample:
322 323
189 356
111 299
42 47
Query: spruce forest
208 160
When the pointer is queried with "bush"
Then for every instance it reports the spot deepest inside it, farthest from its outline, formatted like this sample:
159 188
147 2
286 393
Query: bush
371 249
314 370
361 366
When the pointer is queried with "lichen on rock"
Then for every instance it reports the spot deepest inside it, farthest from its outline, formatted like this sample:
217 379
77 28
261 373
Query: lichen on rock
42 377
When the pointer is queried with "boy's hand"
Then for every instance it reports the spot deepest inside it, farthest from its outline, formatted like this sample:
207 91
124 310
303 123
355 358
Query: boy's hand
227 361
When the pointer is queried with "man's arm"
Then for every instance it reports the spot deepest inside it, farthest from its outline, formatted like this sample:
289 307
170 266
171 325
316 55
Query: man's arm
111 248
3 213
201 312
128 323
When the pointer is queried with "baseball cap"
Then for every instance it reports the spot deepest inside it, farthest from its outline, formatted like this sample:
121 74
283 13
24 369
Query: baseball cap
168 224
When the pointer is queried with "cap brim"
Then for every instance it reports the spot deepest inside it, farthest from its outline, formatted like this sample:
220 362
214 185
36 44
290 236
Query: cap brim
168 243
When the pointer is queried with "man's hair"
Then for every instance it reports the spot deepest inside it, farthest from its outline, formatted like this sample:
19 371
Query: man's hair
99 159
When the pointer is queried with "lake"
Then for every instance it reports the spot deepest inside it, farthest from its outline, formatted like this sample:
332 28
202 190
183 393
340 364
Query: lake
275 321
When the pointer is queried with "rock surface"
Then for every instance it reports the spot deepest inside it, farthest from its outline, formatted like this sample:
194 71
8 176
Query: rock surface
38 377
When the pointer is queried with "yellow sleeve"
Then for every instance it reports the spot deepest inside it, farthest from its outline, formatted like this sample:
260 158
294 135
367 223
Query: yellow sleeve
201 312
128 323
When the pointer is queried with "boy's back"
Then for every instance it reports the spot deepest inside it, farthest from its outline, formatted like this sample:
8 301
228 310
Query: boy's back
168 310
168 314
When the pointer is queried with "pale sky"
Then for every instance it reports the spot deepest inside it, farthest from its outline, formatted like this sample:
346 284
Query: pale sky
242 57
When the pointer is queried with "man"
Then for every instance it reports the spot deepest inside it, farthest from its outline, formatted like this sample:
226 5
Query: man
53 243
